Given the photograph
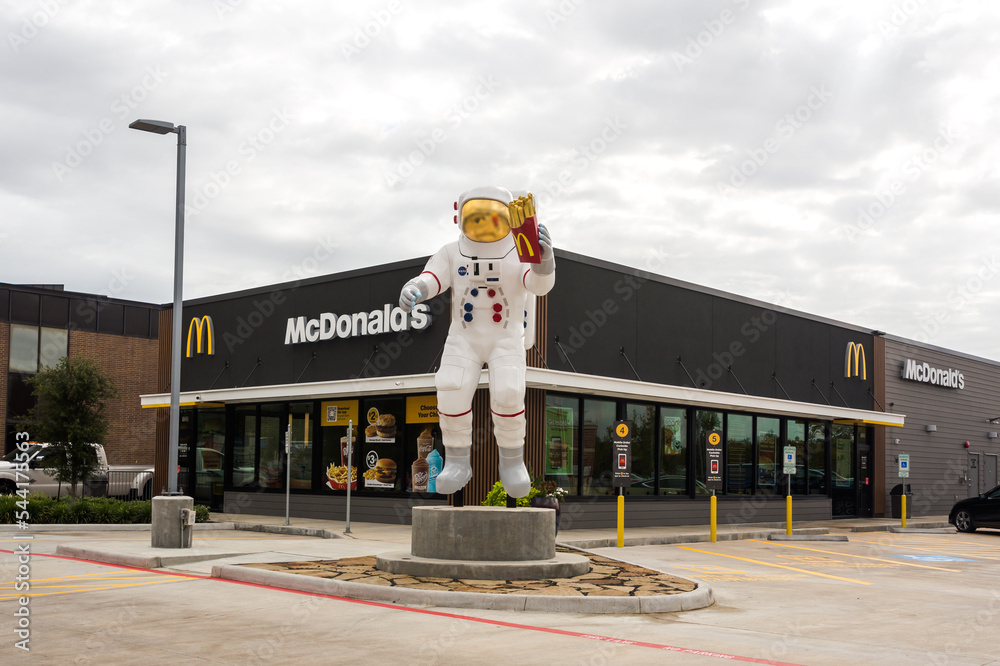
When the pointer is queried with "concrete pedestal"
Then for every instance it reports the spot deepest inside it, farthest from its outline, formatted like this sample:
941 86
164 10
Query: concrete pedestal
483 542
167 530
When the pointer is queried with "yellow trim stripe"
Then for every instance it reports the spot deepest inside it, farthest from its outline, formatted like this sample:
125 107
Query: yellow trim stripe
779 566
186 404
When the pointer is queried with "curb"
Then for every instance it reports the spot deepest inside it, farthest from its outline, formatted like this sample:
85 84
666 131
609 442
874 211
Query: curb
923 530
890 528
136 560
587 544
290 530
807 537
668 603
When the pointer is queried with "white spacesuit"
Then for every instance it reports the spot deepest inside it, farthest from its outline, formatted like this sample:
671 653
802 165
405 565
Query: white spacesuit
490 311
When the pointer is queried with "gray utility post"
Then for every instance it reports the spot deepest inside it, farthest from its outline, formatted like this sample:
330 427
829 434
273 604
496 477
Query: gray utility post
162 127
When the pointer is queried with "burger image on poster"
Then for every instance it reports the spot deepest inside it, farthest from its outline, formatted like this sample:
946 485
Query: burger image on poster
493 284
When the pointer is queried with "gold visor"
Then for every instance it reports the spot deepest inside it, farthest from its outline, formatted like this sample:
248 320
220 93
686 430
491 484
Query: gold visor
485 220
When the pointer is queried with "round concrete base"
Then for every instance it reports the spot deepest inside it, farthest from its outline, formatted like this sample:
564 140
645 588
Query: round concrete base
561 565
483 533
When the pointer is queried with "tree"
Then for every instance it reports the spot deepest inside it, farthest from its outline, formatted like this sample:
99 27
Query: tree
70 416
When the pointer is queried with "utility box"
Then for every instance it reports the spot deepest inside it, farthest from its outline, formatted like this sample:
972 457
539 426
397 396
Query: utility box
173 521
896 495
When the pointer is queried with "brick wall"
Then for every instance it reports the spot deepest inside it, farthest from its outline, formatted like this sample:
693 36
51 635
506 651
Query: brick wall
4 366
131 363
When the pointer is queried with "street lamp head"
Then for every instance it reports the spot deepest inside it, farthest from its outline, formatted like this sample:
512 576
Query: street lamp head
155 126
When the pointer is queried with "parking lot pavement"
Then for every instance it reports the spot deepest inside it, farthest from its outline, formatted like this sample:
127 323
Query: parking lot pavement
912 598
909 598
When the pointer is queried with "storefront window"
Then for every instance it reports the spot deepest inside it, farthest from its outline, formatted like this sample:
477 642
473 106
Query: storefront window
797 438
209 456
739 454
334 418
817 458
844 492
598 428
643 418
704 422
244 447
381 467
303 431
423 441
673 454
843 456
272 461
768 455
561 423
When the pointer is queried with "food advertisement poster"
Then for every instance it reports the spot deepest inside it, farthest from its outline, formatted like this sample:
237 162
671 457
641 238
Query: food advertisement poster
381 430
421 409
558 440
673 436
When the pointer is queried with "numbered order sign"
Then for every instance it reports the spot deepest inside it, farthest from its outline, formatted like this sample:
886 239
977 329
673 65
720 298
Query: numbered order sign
713 458
621 463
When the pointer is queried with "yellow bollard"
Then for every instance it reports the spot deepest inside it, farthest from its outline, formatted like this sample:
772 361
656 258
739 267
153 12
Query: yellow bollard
903 507
788 515
712 529
621 521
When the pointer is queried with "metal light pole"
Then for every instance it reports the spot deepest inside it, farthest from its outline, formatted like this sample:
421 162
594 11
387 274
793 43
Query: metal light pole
161 127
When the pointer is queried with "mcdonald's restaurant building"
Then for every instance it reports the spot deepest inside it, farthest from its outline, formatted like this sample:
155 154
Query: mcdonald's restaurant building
318 357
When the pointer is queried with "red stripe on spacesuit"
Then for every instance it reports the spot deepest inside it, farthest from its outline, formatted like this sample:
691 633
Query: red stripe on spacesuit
504 415
435 279
524 278
440 413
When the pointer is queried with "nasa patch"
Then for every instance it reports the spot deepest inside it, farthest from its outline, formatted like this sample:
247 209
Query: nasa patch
462 270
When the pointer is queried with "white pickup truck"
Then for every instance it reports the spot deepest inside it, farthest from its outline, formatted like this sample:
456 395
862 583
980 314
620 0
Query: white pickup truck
126 481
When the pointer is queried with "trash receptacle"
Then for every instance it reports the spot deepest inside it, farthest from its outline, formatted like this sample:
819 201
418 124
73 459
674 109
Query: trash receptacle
895 496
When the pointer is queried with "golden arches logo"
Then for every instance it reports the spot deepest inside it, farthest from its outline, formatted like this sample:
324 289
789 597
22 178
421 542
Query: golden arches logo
198 326
527 243
855 352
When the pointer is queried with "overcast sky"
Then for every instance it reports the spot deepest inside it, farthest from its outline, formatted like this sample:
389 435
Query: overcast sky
839 158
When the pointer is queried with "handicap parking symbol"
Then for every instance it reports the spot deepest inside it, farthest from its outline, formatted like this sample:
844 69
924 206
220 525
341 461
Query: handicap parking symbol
933 558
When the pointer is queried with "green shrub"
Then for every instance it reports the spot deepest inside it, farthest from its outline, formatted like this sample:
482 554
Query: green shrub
44 510
498 496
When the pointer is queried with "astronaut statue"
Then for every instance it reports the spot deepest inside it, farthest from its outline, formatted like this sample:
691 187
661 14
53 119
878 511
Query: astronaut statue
490 307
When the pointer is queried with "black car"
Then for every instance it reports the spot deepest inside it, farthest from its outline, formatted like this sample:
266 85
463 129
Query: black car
970 514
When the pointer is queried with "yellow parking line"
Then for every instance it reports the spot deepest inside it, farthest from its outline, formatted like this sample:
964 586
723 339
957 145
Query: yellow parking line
779 566
171 579
863 557
83 584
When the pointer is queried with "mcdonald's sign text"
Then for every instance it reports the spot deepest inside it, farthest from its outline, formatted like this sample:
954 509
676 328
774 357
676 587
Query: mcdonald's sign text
198 326
922 372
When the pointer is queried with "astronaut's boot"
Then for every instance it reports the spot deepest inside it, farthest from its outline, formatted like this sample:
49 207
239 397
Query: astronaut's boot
513 473
456 433
456 472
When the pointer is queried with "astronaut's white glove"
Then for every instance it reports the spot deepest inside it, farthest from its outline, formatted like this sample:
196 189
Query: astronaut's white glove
545 240
409 296
548 263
